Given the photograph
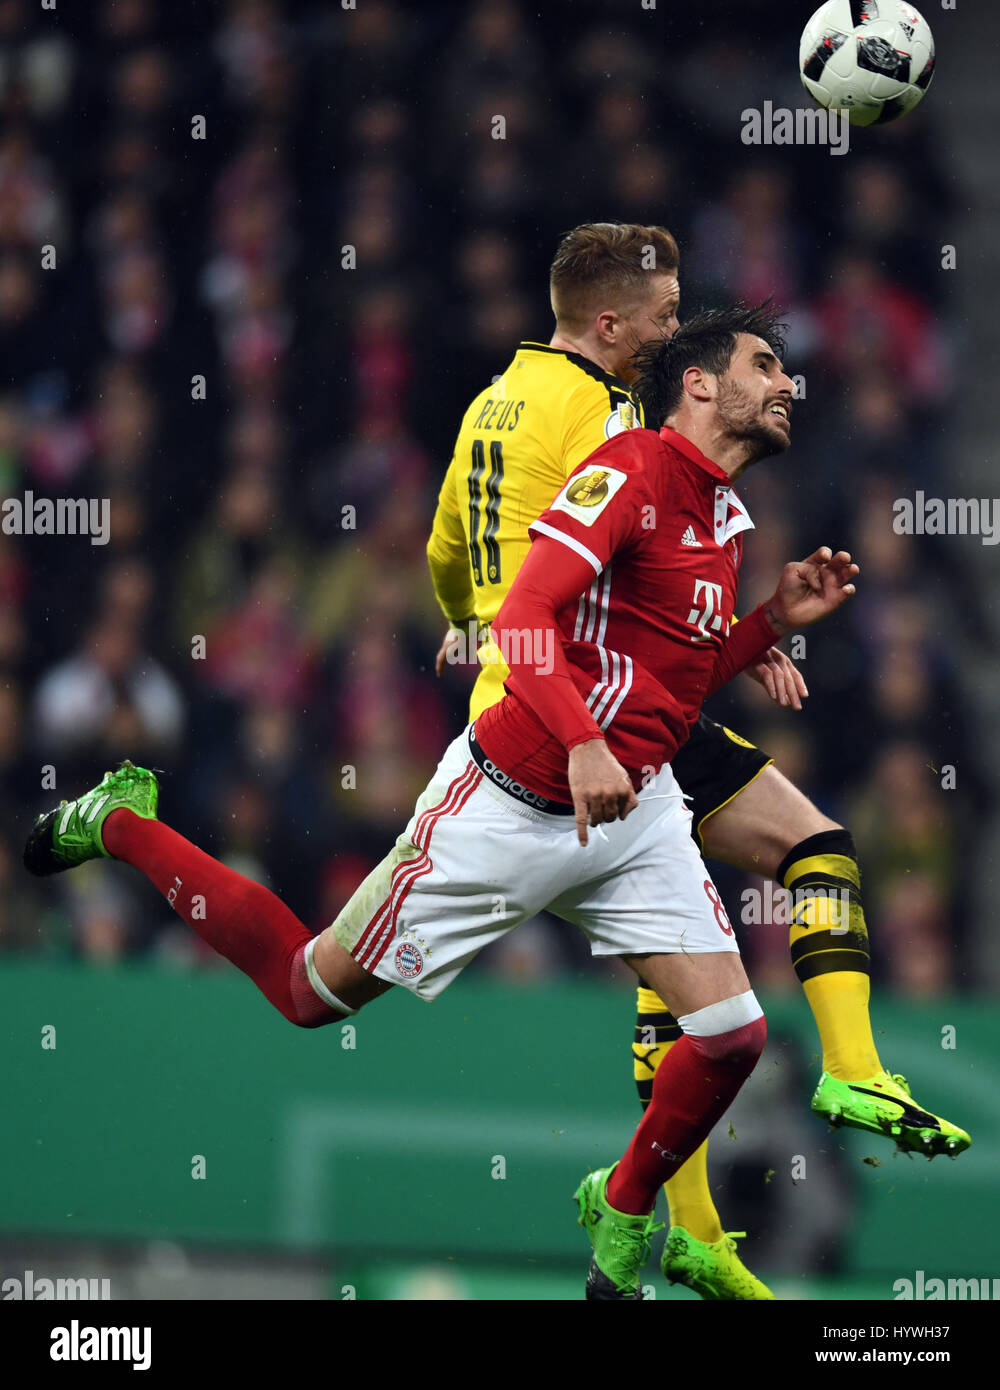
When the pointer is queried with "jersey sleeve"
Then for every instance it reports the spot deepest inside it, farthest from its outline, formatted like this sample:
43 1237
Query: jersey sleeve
549 579
592 416
448 554
603 507
742 648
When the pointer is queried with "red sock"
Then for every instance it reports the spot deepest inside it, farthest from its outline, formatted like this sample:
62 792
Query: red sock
693 1088
242 920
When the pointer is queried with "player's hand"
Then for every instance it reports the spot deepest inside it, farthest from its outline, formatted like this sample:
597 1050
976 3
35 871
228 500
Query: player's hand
780 677
811 589
448 646
600 787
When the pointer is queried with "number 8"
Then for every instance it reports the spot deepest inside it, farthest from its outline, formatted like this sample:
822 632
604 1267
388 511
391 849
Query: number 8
720 911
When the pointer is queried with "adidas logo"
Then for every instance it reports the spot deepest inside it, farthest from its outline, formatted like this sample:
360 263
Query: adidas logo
688 538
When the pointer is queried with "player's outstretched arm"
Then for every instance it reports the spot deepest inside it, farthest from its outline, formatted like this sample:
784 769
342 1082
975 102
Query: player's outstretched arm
808 590
811 589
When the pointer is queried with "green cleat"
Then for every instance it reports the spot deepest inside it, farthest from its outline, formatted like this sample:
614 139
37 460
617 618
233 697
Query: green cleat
620 1241
882 1104
71 834
713 1270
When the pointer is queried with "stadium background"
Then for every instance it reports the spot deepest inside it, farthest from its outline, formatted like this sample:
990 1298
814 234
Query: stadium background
295 748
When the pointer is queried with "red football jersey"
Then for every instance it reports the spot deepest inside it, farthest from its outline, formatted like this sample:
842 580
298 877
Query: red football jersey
661 530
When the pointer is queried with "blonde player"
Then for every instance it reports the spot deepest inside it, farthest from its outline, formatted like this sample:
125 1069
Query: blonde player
614 287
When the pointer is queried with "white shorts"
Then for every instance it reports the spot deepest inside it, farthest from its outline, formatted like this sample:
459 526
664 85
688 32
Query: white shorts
474 862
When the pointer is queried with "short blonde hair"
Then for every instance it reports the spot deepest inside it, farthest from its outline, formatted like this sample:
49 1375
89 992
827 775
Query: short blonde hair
601 265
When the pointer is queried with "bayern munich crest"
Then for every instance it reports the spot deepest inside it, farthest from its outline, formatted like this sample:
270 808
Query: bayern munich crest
409 960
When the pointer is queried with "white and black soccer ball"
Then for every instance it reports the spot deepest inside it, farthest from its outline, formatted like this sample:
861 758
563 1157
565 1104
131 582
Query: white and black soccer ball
872 58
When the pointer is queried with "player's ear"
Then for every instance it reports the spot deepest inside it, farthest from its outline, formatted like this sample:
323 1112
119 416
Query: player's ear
606 323
698 383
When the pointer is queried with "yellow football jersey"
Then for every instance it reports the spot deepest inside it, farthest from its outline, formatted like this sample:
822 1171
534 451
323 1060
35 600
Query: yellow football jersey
519 441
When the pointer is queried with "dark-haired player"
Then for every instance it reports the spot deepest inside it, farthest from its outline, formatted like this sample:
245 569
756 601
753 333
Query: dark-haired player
614 286
502 829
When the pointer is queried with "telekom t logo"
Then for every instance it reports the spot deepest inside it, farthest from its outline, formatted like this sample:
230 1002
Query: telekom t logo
707 619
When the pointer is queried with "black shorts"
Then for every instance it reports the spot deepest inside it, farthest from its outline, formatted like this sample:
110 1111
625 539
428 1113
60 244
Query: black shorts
712 767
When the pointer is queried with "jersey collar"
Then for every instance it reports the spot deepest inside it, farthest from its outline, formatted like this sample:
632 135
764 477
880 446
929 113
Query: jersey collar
584 363
692 452
730 515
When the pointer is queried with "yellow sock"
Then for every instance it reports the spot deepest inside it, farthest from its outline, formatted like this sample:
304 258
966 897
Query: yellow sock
829 945
687 1192
839 1002
690 1200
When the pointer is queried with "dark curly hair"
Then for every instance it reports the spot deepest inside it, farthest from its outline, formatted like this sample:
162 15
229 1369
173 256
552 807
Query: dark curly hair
707 340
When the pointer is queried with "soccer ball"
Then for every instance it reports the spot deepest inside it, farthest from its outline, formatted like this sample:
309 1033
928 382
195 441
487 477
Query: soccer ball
872 58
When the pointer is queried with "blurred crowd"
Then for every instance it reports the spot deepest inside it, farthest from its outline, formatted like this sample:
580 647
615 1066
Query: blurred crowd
254 262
